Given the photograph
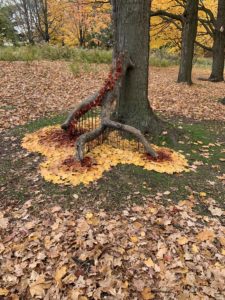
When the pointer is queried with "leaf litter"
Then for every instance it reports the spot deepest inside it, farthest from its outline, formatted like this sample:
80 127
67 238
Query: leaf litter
149 252
60 167
30 90
142 252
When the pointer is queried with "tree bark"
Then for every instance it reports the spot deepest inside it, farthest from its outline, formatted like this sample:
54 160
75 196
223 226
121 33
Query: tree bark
131 22
217 74
188 41
127 85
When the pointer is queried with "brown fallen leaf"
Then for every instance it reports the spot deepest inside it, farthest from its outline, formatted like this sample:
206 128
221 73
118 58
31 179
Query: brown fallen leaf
3 221
147 294
216 211
38 287
205 235
60 272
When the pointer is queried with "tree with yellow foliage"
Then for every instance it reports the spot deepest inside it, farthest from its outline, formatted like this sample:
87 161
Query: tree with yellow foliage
186 14
175 18
81 19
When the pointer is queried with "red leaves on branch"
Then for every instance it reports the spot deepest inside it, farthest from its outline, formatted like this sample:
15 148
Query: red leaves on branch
108 86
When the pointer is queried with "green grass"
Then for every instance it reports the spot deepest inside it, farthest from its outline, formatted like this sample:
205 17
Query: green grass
124 183
32 126
161 58
158 58
49 52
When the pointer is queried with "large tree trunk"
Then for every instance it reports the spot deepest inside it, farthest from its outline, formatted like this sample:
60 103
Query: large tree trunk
217 74
131 22
188 41
127 84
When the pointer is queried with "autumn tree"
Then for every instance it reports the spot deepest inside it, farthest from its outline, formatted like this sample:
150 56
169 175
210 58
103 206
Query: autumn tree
219 44
127 85
188 20
82 19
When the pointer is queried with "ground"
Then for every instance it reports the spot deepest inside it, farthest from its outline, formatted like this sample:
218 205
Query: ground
159 236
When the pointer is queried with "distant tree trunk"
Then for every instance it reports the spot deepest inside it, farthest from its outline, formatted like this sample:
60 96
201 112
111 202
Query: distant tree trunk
131 35
46 34
217 74
188 40
27 22
41 17
81 37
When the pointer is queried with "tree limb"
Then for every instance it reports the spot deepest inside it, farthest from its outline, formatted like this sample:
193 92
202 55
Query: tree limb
134 131
167 14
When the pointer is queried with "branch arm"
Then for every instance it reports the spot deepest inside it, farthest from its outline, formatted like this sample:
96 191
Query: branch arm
165 13
85 102
137 133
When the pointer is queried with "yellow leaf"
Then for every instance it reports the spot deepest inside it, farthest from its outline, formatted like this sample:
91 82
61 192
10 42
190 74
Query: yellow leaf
182 241
37 290
71 278
89 215
134 239
125 285
222 240
38 287
147 294
152 210
93 221
149 263
202 194
104 156
3 292
60 272
223 251
194 248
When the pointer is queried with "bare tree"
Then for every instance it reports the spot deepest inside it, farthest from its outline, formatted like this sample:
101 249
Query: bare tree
23 18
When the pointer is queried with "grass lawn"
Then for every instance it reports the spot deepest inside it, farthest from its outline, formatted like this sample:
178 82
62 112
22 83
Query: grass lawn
201 142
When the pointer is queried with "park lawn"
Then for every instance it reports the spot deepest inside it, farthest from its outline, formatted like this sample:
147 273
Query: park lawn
133 234
201 142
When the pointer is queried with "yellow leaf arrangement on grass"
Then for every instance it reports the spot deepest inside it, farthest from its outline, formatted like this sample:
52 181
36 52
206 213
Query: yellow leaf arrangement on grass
60 166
